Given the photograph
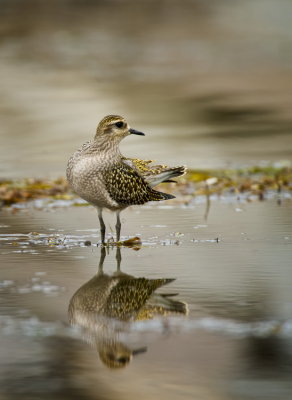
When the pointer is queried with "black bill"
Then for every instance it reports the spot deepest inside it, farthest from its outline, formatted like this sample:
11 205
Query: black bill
134 132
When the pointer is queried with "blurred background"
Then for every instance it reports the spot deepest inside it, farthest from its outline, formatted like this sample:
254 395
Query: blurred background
210 78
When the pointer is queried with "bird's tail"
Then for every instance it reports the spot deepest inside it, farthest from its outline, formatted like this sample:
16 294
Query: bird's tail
167 196
166 175
167 304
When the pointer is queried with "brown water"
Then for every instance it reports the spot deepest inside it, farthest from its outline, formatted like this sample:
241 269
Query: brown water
210 85
235 342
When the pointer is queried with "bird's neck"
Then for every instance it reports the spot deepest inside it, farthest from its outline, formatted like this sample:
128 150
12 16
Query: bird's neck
108 148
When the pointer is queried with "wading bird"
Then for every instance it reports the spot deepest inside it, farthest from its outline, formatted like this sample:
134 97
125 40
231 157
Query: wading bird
100 174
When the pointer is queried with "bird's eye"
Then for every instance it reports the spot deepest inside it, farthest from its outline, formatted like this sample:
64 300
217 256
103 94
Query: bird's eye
119 124
123 360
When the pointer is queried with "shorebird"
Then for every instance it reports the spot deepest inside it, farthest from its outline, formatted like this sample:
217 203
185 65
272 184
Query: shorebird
101 175
105 305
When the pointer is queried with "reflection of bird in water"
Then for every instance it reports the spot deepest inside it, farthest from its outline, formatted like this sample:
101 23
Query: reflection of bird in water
99 173
104 304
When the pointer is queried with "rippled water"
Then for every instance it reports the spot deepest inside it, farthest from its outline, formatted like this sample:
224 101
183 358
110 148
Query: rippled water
233 272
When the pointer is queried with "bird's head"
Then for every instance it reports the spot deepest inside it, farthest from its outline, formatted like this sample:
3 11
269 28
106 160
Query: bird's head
117 355
115 128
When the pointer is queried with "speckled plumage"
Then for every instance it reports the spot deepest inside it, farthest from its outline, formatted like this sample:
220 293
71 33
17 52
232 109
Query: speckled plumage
127 187
154 174
105 299
121 297
99 173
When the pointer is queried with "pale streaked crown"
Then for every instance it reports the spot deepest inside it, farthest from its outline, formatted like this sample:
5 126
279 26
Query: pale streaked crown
112 124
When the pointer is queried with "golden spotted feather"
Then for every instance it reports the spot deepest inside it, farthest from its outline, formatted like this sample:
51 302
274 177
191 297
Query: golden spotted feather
127 187
144 167
129 296
154 174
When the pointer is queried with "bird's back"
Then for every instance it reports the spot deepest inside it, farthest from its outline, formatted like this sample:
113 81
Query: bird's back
127 187
154 174
119 296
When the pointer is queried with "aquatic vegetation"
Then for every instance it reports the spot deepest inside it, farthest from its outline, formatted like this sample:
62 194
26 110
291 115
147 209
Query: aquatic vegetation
254 182
251 181
28 189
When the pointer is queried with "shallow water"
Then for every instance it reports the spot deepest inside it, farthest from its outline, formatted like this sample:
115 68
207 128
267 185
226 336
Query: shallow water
233 272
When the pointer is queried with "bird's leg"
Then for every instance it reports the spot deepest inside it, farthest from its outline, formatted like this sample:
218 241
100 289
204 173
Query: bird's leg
118 226
102 225
101 260
118 258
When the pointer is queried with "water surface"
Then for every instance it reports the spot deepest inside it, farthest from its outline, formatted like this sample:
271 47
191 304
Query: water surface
233 271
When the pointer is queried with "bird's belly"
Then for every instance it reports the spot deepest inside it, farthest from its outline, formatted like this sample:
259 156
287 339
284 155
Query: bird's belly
87 182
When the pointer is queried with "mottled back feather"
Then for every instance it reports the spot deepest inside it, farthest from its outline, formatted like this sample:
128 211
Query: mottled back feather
154 174
129 296
127 187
